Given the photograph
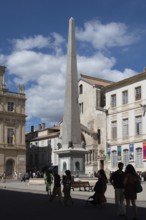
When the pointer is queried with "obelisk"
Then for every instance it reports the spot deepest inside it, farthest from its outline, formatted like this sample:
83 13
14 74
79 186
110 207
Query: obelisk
71 155
71 133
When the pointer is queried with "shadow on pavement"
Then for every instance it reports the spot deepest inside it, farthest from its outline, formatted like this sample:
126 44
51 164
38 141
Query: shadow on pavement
24 205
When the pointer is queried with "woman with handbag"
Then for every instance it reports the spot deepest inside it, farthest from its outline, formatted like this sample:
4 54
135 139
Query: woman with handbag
130 191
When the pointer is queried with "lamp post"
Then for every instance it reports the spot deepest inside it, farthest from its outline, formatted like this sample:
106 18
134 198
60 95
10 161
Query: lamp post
144 109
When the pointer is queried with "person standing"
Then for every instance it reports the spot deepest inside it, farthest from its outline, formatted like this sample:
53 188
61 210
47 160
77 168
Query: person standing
67 179
57 187
117 180
48 181
23 179
4 177
130 194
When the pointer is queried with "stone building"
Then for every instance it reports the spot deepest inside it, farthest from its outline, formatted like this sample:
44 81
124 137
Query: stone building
40 146
93 130
126 122
113 123
93 121
12 128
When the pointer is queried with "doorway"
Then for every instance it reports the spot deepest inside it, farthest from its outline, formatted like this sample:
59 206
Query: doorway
10 167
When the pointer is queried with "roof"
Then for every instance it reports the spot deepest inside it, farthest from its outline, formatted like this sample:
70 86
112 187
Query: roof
50 135
55 127
127 81
96 81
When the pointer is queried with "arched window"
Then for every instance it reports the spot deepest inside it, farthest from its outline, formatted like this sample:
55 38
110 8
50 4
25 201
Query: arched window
80 89
138 157
77 166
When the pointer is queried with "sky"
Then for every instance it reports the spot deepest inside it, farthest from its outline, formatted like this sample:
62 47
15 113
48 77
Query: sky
110 44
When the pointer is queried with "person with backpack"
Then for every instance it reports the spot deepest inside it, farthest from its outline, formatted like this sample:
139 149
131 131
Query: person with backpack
130 180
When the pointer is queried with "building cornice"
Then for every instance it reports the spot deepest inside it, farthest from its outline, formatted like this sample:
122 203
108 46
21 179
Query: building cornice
125 82
95 81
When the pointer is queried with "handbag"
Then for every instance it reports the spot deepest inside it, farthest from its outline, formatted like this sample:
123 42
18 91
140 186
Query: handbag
138 186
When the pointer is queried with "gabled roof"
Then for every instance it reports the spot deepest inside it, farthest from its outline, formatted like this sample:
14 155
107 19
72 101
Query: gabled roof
95 81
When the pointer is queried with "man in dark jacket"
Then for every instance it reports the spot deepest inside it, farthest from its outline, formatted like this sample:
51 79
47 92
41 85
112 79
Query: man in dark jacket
117 180
56 187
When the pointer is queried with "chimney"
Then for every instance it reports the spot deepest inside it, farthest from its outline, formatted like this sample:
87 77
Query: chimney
32 129
43 126
39 127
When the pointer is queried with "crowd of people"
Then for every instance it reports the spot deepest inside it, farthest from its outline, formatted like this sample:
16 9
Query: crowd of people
123 183
55 179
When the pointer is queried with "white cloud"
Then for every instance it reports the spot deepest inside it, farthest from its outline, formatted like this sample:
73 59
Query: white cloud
54 42
30 65
58 40
116 75
46 100
31 43
44 73
105 36
2 59
96 64
101 66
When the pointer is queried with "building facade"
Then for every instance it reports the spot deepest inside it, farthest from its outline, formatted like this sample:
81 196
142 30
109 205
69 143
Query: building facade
113 124
40 146
12 129
93 121
126 122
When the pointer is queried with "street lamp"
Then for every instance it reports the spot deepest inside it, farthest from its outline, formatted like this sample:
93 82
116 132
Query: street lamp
144 109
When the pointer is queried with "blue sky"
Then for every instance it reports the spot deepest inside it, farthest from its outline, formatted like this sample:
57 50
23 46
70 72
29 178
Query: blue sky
110 40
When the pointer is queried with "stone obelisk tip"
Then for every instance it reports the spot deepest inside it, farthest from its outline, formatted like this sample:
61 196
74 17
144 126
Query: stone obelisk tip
71 19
